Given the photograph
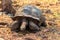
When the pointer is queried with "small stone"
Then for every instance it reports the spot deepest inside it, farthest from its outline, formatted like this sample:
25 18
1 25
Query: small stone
1 13
1 39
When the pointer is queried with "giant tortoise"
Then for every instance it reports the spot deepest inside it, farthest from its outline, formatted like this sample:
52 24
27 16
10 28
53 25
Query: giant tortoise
28 17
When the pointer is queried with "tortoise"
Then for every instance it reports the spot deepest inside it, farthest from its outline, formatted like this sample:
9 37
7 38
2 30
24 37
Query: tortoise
26 17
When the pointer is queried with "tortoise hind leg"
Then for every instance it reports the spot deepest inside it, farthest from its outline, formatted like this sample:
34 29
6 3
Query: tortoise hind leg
43 24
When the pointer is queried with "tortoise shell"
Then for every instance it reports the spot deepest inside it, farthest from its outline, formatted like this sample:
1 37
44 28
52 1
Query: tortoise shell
28 11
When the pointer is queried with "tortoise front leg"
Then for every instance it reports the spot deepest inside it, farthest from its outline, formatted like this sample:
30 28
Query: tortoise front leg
33 26
14 25
23 25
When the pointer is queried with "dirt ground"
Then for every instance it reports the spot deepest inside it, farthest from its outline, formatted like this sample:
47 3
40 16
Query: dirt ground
51 11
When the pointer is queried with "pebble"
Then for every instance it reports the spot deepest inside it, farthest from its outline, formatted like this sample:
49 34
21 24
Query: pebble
1 39
1 13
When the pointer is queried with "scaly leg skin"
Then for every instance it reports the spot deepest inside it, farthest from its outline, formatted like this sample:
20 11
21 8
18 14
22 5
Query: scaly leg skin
14 25
23 25
33 26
